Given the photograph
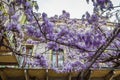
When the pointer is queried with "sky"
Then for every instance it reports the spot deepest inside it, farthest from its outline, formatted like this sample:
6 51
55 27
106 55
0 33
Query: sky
76 8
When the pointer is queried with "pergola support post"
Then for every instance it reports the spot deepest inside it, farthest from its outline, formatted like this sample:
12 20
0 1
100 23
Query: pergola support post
110 75
47 76
117 77
87 75
26 74
69 76
3 76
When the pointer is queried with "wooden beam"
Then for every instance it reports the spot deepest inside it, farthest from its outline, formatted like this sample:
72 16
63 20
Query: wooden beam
8 60
110 75
26 74
117 77
3 76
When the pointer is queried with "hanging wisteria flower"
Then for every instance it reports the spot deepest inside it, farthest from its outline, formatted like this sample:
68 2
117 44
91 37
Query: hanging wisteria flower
14 27
15 17
40 61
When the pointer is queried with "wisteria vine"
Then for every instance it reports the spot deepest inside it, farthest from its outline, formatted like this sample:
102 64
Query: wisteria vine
88 41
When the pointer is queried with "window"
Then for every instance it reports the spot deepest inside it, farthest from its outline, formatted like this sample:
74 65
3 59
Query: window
57 58
29 50
26 49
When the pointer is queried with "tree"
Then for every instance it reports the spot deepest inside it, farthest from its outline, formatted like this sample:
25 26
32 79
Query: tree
91 40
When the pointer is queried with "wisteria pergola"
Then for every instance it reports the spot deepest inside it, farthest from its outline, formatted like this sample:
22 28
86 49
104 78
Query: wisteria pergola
94 38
